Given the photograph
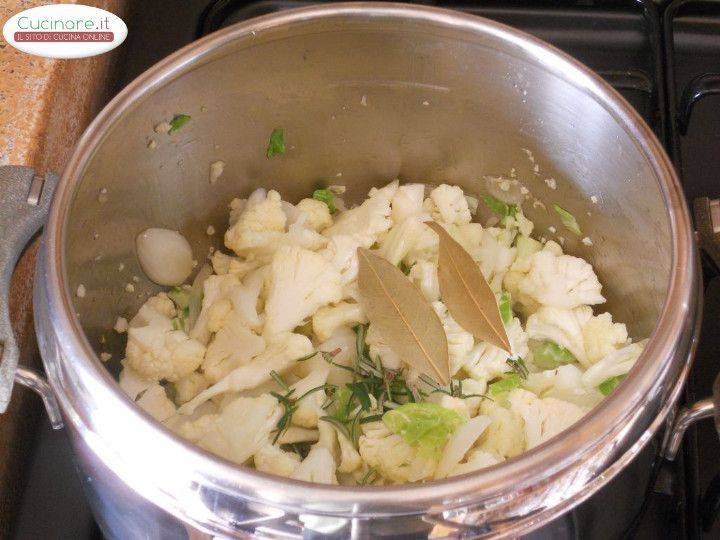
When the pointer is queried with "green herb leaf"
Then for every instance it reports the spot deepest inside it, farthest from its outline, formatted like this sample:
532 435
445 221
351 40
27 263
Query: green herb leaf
178 121
427 426
608 385
501 208
518 366
343 398
278 379
369 477
326 196
568 219
506 384
177 324
276 144
180 296
506 313
550 355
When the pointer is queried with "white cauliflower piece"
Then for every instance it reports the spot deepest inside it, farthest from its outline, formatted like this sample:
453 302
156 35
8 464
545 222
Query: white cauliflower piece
245 297
318 467
424 275
505 436
227 264
274 460
233 345
369 219
133 383
544 418
300 283
561 326
495 254
190 386
327 319
486 362
242 428
602 336
403 239
317 214
618 362
341 253
561 281
155 402
215 289
377 348
460 342
407 202
309 408
258 215
392 457
350 459
476 459
451 205
565 383
158 353
157 311
279 355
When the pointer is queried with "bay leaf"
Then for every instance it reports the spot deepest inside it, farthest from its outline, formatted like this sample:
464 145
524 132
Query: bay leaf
405 320
466 292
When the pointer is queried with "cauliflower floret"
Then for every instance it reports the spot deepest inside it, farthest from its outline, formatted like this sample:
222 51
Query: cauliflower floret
561 281
618 362
407 202
602 336
190 386
505 436
565 382
309 409
369 219
242 428
317 214
158 311
301 282
392 457
377 348
233 345
561 326
495 255
318 466
451 205
215 289
158 353
341 253
156 403
460 342
258 215
424 275
272 459
327 319
404 239
476 459
486 362
350 459
544 418
279 355
227 264
131 382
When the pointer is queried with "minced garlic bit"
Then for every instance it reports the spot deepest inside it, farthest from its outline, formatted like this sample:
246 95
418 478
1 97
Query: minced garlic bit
337 190
163 127
363 101
513 173
552 229
136 279
121 325
152 144
504 184
216 170
551 183
130 287
561 239
104 356
81 291
121 267
536 169
587 241
594 199
537 203
529 154
426 103
524 190
103 196
210 230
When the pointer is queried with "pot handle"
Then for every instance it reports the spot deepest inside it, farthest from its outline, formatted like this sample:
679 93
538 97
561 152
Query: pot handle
707 222
25 199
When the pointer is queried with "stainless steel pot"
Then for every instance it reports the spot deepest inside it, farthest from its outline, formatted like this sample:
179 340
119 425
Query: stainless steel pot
365 93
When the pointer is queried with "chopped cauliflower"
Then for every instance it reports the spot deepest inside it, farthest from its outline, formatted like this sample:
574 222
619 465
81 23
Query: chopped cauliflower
451 205
272 459
317 214
155 402
392 457
486 362
460 342
407 202
300 283
190 386
424 275
327 319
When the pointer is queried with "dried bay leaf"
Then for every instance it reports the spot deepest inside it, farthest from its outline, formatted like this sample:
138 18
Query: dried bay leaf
466 292
402 315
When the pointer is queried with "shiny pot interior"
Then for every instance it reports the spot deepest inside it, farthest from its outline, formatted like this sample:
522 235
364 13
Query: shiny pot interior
365 95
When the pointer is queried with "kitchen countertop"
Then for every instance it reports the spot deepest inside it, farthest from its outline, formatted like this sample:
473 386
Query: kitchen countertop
45 104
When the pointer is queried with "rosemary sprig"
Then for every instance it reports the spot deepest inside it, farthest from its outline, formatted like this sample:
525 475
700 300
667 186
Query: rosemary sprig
369 477
518 366
454 390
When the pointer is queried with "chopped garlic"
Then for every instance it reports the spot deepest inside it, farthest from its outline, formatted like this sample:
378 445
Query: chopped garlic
130 287
210 230
587 241
121 325
81 291
163 127
216 170
551 183
104 356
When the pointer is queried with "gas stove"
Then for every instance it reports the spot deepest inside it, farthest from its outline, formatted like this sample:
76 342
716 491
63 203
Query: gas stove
664 58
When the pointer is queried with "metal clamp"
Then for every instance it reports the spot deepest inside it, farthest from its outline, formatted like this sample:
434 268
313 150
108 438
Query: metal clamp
25 199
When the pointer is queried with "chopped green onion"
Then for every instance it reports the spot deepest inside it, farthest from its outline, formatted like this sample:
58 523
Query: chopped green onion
178 121
276 144
506 384
326 196
609 385
549 355
501 208
568 219
506 307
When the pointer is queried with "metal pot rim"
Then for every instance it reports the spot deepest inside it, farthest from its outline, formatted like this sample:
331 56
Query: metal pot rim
598 428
